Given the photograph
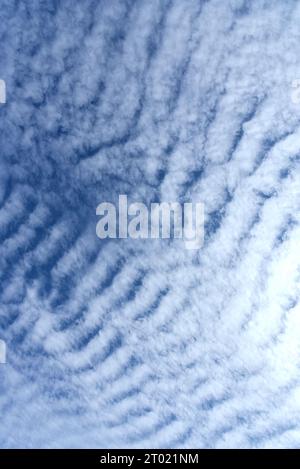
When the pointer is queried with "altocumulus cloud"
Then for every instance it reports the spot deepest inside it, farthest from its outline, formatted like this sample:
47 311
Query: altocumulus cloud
136 343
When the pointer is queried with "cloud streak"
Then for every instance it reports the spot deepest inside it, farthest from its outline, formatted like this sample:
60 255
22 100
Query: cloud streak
141 343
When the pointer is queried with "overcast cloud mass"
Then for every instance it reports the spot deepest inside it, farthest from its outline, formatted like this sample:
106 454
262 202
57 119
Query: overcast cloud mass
142 343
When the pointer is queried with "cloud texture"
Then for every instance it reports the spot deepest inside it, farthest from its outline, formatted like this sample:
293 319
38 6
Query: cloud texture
127 343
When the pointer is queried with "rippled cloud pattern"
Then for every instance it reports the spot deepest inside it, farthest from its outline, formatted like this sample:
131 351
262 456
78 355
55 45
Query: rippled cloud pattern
141 343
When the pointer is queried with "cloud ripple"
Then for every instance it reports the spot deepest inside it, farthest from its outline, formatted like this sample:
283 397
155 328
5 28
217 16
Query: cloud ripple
141 343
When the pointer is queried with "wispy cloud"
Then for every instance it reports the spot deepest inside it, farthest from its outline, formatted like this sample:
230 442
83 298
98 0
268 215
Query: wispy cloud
127 343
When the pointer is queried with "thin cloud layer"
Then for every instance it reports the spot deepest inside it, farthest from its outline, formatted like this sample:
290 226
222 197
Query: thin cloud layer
141 343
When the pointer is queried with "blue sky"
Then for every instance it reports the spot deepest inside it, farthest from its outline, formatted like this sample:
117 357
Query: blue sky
127 343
